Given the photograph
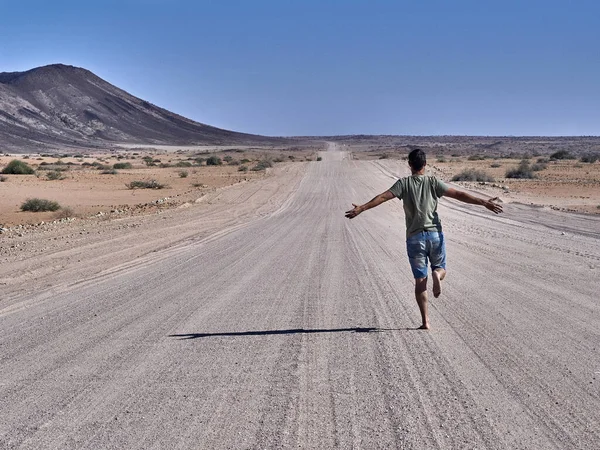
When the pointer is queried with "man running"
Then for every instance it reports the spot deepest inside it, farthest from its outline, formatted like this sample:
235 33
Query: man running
424 237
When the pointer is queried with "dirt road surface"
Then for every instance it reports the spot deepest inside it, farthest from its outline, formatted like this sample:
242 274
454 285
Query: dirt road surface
268 320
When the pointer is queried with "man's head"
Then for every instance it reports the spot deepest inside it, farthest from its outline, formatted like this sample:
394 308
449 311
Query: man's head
417 160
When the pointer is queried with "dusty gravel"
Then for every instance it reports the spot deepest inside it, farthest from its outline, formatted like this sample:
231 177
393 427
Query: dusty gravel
265 319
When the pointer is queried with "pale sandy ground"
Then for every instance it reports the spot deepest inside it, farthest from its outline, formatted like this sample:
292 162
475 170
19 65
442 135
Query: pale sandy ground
262 318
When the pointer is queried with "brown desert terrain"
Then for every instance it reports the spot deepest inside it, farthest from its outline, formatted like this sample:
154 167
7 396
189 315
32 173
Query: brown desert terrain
89 186
562 184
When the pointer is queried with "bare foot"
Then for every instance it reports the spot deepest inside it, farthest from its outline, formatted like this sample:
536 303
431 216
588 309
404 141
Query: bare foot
438 275
425 326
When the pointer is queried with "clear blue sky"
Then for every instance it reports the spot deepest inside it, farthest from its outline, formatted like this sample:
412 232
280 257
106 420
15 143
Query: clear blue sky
323 67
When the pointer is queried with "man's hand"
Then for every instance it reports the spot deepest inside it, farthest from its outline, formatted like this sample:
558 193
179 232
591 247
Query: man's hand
493 206
468 198
354 211
376 201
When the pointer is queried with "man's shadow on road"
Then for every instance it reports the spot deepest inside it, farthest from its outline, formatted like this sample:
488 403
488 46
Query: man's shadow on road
291 331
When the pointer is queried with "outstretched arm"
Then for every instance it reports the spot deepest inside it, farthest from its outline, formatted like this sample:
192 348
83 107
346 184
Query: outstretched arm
376 201
468 198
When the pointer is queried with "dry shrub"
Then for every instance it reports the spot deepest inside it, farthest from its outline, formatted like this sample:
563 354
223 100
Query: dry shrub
16 167
54 175
152 184
472 175
39 205
524 171
64 213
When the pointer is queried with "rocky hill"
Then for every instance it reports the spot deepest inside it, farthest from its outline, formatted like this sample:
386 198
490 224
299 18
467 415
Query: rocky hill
60 106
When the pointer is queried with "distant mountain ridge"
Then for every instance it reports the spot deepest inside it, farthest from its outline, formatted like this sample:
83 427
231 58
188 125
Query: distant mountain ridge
59 106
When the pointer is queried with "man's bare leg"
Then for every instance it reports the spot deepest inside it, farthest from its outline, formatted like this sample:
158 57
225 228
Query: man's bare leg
421 295
438 275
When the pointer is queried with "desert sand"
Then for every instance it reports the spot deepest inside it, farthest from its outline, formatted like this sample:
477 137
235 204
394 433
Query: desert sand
261 318
88 186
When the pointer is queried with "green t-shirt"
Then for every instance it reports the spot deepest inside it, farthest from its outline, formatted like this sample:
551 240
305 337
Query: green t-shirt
419 195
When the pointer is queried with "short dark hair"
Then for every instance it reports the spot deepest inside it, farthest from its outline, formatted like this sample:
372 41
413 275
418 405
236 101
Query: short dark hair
417 159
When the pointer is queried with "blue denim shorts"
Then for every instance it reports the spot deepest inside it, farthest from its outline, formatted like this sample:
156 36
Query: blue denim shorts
424 247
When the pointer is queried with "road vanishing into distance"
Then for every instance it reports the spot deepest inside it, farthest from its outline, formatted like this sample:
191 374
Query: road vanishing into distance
296 328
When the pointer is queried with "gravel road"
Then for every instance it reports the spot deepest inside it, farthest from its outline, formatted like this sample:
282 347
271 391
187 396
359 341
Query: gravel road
289 326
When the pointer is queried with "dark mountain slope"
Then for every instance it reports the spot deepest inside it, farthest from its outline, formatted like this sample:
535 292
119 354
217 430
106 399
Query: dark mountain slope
62 105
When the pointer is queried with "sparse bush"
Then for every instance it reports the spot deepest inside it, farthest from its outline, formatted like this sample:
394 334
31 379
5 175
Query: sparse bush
472 175
104 167
243 169
54 175
183 174
542 160
524 171
148 160
164 165
319 158
476 158
39 205
590 158
53 167
234 162
441 159
152 184
200 161
121 166
183 164
384 156
16 167
227 159
245 161
64 213
495 165
538 167
292 157
561 154
109 172
262 165
214 161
